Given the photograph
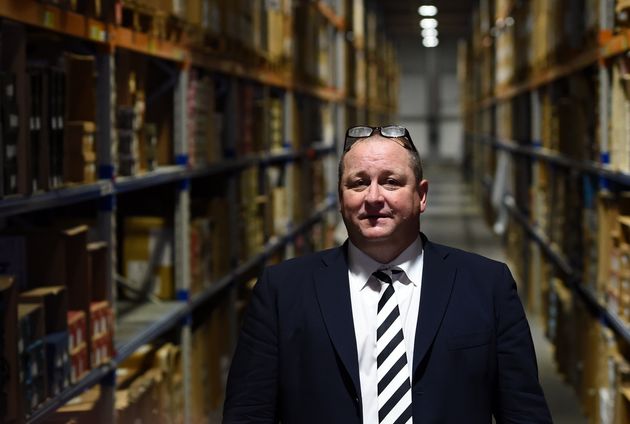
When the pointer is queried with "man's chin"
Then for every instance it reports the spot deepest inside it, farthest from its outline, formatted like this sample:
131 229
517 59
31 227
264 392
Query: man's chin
375 236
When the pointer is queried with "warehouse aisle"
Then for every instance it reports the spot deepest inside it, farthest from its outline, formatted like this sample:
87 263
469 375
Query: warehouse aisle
453 217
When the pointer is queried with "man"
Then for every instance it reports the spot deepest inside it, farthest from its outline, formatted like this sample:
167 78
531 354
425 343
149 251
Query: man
389 327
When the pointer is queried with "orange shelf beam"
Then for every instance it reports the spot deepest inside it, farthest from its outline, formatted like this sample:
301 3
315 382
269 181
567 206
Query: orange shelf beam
41 15
144 43
337 21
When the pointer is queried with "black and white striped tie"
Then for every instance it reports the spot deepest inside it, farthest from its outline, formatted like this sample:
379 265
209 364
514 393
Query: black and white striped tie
394 387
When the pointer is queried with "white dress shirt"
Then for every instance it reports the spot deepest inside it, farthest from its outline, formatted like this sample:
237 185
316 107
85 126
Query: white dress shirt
364 295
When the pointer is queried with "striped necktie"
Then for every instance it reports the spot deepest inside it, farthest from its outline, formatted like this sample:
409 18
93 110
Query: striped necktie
394 386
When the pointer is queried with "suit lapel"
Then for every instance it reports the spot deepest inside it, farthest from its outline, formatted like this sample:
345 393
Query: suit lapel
437 283
333 295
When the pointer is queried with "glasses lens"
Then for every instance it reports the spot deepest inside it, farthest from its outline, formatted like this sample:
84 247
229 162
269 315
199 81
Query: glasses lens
358 132
393 131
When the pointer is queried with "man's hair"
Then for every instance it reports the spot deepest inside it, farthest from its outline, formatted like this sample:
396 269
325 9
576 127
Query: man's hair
414 161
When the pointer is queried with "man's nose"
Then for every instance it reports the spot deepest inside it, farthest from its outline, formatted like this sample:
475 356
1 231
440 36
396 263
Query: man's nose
374 193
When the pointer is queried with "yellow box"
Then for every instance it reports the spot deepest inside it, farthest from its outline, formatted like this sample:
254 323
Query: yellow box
148 241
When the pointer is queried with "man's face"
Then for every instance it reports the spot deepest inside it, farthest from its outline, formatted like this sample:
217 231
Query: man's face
381 201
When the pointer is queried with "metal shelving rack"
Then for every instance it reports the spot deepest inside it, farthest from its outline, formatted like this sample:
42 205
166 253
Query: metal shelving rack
610 45
150 321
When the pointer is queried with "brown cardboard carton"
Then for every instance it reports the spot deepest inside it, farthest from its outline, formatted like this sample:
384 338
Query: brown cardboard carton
55 304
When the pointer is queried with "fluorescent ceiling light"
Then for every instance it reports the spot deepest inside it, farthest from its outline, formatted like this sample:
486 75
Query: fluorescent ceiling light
430 42
427 10
430 32
428 23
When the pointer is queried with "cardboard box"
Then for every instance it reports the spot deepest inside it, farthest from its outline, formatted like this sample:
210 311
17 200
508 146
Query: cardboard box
14 260
148 255
31 357
77 329
60 257
79 363
55 305
102 349
100 313
9 348
80 87
81 409
31 325
79 151
57 362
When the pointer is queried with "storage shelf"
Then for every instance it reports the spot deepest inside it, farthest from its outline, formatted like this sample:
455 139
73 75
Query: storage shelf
537 234
268 250
34 13
162 175
31 12
557 158
51 405
574 279
54 198
609 46
148 321
169 174
145 323
265 75
583 60
147 44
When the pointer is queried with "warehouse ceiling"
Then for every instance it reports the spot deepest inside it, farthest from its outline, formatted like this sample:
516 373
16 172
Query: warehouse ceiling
402 20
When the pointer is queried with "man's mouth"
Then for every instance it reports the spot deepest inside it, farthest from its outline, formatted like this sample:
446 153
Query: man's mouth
375 216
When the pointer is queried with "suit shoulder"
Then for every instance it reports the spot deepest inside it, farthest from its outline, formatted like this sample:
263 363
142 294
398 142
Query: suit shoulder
470 259
301 264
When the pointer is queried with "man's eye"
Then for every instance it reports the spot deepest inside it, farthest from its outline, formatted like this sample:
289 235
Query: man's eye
392 182
358 184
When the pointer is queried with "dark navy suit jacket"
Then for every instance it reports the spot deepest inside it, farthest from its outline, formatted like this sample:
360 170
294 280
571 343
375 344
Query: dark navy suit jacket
296 359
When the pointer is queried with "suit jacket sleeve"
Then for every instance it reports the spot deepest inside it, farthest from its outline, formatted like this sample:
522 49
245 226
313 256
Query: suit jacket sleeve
519 397
252 387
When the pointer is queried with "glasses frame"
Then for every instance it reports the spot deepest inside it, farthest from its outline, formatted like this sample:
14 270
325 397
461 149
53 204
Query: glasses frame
405 139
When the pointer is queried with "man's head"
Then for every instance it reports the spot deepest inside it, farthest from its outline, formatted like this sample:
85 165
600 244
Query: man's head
381 191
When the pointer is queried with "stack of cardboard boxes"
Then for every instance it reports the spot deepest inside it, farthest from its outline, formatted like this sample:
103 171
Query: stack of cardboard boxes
55 337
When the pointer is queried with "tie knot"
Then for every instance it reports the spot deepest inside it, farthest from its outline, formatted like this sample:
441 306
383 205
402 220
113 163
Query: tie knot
385 275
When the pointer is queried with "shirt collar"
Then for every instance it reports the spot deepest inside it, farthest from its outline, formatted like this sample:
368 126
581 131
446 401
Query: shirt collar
410 261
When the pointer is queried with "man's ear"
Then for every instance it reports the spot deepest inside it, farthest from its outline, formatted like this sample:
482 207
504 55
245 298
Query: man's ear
423 190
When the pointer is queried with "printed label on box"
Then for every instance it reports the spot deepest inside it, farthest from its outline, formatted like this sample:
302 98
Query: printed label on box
136 271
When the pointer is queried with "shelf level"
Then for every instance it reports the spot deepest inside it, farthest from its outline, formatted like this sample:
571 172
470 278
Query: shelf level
41 15
50 406
556 158
583 60
18 204
273 77
54 198
144 43
33 13
162 175
148 321
144 324
574 280
268 250
610 45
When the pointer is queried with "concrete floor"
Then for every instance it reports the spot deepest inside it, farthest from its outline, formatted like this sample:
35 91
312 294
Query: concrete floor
453 217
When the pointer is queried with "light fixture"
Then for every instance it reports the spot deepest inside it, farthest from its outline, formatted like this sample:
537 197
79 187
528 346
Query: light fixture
430 42
427 10
428 23
429 32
